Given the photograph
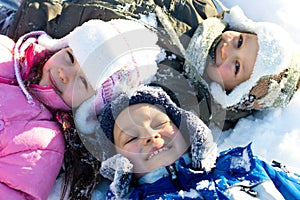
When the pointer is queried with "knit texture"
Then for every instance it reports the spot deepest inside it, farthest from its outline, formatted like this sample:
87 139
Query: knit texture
203 149
274 54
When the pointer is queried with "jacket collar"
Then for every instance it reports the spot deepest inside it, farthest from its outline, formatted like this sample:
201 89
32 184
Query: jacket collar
163 172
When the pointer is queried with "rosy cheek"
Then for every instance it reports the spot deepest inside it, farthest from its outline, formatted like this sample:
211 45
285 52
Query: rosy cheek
131 149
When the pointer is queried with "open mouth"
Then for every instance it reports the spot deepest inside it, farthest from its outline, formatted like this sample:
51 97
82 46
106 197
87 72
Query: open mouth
53 83
212 50
156 152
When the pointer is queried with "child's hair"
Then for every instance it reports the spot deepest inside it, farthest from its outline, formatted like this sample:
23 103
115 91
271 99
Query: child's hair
271 71
93 45
81 170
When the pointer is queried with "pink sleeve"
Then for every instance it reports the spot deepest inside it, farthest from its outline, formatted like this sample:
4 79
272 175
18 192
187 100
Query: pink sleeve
32 172
6 192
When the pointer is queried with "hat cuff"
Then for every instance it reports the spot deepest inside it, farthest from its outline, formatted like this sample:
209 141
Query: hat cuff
85 118
52 44
274 55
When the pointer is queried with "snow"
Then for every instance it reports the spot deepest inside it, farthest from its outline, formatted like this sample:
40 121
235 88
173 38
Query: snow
283 12
191 194
237 162
275 134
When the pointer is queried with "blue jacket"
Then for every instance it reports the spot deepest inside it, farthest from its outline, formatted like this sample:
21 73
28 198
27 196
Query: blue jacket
235 169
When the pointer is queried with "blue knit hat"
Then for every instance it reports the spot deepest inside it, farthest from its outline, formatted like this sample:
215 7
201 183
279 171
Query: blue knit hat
146 94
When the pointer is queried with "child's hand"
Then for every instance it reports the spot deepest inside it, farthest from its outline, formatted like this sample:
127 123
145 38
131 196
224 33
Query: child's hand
118 169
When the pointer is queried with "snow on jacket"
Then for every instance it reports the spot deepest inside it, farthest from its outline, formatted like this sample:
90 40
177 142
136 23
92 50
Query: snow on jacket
238 175
31 141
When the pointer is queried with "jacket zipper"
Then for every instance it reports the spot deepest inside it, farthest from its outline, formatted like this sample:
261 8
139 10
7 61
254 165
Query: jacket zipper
174 177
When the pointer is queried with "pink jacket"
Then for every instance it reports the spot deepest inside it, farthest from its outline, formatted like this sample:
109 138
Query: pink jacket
31 141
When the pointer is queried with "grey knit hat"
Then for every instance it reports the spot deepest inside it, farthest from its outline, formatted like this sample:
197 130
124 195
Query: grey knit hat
273 57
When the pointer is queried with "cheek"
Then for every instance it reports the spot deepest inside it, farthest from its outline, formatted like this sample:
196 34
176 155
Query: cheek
71 97
130 150
75 96
213 73
224 71
133 154
67 97
78 98
180 144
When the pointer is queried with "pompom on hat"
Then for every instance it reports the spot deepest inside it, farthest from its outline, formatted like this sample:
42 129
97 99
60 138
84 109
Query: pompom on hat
274 56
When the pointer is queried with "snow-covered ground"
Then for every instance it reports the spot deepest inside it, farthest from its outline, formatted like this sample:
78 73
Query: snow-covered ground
275 134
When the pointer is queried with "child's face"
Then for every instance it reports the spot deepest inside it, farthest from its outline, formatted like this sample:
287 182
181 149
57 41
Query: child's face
235 56
63 73
147 137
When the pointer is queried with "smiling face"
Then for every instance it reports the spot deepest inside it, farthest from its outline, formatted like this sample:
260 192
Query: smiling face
235 56
148 138
63 73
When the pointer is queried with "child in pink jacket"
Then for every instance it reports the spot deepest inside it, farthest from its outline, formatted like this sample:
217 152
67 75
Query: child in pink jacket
39 76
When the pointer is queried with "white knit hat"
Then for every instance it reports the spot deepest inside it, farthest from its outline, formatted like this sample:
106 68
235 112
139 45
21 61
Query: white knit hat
274 54
103 48
115 56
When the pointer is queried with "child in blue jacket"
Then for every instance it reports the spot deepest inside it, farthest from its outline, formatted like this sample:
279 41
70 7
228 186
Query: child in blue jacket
152 149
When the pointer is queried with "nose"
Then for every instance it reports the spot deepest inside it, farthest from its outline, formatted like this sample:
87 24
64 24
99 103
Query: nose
66 74
153 136
227 49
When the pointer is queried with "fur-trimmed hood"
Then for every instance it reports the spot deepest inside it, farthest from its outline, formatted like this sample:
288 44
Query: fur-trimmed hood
274 56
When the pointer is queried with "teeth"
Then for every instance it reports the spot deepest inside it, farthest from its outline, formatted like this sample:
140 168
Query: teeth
157 152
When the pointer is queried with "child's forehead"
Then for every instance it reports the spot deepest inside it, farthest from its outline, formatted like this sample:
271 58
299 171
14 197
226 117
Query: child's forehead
142 109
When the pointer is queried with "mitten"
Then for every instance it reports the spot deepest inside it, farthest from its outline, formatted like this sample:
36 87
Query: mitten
118 169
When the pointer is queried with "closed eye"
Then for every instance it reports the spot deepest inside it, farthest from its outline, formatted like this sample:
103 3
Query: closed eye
71 57
131 139
162 124
84 81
